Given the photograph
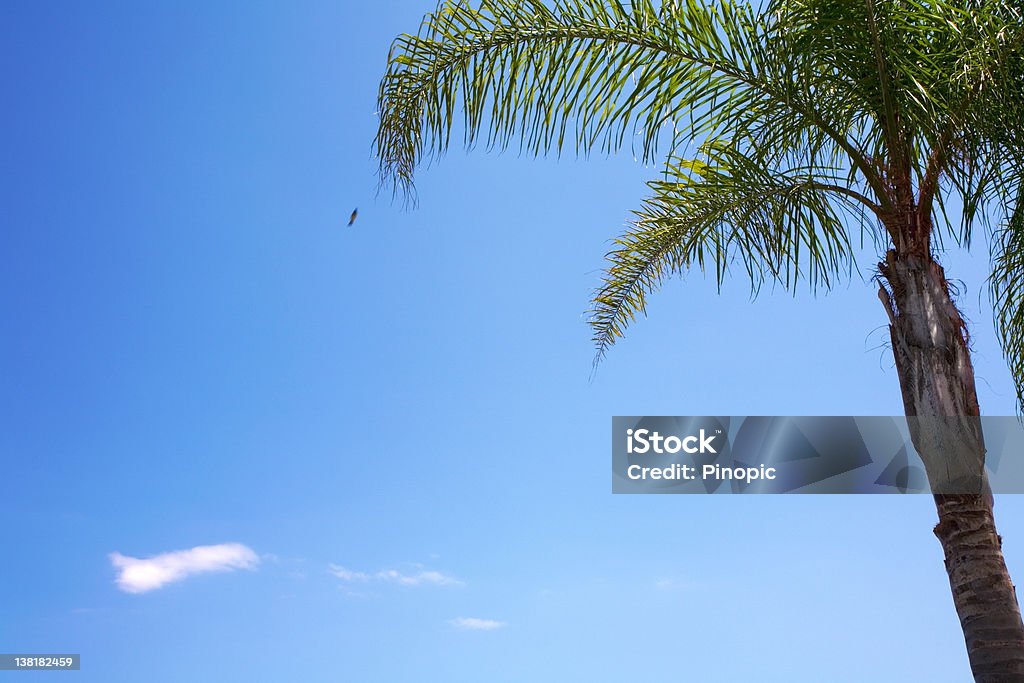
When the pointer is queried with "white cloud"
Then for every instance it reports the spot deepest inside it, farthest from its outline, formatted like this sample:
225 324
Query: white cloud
474 624
419 578
431 578
135 575
347 574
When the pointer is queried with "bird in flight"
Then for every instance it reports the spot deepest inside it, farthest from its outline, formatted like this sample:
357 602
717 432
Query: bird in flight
352 218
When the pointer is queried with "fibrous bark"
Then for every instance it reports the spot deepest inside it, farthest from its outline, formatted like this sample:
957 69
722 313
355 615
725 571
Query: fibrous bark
930 346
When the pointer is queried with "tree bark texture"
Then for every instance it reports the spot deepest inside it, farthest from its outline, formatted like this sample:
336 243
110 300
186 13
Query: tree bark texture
931 348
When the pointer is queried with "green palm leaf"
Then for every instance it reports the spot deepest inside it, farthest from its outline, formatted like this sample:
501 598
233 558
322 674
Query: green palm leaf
783 226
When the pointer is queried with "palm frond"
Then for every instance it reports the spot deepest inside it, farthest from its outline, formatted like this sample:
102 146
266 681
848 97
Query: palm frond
592 75
784 226
1006 287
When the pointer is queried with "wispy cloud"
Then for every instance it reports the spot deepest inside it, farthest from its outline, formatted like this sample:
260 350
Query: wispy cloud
474 624
417 578
136 575
422 578
671 584
347 574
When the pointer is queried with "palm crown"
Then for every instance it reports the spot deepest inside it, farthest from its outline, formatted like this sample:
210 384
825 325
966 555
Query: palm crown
787 130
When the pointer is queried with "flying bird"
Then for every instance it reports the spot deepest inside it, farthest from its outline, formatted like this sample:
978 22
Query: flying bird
352 218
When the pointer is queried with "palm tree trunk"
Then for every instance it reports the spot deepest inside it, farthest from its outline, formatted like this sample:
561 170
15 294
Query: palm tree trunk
982 591
930 345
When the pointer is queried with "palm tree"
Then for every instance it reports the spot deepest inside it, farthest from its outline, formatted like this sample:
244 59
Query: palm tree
787 130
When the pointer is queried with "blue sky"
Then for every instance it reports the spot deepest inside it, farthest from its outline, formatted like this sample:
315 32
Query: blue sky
396 420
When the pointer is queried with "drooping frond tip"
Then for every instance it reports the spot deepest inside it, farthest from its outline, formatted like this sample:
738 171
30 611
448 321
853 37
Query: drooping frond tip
782 226
587 74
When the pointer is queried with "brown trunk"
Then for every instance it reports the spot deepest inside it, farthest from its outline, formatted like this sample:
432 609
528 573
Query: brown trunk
929 341
985 599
